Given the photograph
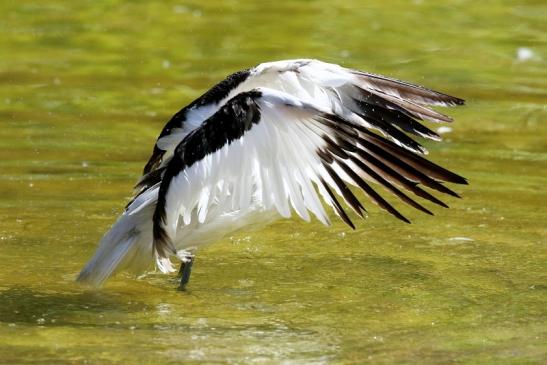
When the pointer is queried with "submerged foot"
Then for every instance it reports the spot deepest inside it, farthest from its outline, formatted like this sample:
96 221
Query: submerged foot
185 269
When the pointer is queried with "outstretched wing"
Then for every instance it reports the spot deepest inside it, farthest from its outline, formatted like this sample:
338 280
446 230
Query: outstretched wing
388 105
270 149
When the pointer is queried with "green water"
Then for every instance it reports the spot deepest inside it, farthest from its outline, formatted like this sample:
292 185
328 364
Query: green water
86 86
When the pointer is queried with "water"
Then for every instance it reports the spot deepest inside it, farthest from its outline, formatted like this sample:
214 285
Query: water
84 89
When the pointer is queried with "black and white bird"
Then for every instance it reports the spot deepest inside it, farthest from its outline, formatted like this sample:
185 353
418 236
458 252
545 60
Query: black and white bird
282 137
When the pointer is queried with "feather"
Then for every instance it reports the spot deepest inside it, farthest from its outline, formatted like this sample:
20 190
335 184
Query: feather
279 137
405 90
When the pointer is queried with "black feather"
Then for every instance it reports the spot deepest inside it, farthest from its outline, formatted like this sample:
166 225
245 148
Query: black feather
374 196
337 207
347 194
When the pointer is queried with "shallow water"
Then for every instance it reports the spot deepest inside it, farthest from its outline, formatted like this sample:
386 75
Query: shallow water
84 90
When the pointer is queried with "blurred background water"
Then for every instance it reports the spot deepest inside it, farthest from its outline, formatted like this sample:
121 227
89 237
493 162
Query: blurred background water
85 88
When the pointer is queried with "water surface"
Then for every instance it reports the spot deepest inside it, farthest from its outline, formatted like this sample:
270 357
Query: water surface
86 86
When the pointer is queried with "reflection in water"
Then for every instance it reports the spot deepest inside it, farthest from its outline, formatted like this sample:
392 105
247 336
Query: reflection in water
25 306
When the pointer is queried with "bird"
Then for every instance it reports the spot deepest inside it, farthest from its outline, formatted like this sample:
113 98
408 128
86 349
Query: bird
281 138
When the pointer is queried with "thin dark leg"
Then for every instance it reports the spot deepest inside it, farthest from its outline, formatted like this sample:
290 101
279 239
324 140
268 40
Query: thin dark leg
184 272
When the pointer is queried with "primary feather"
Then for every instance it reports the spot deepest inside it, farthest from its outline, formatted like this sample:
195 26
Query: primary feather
280 137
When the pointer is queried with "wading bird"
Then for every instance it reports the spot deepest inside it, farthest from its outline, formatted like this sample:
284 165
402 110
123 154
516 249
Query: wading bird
280 137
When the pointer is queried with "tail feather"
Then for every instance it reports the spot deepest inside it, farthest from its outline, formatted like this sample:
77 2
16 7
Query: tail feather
128 245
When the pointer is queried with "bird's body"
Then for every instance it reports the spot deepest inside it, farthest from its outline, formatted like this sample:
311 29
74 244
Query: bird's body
283 136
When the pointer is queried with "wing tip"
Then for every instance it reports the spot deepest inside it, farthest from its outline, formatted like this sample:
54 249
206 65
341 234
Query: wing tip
457 101
404 219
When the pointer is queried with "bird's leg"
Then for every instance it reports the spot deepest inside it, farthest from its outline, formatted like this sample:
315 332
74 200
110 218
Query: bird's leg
187 260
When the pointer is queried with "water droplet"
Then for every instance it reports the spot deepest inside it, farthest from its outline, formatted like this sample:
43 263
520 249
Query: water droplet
444 130
525 54
466 239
